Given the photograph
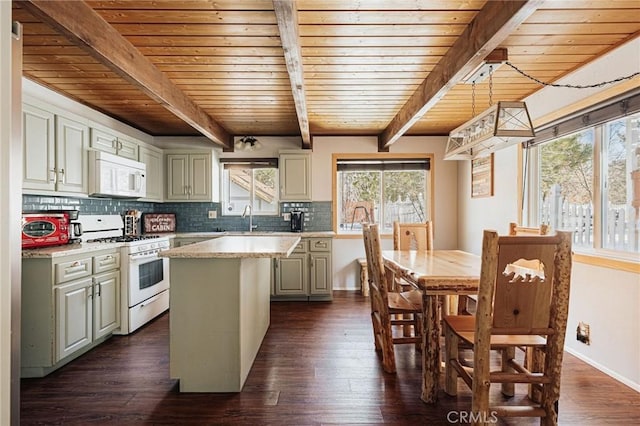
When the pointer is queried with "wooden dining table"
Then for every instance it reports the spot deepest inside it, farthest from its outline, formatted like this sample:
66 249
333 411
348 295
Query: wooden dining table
436 273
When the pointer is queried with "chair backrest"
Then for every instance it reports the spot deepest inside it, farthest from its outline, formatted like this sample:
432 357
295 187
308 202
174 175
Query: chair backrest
524 285
413 236
378 284
515 229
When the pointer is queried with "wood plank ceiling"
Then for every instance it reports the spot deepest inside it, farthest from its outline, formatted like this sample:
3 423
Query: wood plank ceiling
331 67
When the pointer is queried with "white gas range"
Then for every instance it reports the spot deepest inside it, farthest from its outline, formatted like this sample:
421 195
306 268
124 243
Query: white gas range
144 276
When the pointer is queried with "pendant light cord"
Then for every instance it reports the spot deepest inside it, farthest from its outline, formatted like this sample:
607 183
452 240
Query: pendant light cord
574 86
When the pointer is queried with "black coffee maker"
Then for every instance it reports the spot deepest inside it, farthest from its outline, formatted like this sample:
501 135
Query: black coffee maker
75 227
297 221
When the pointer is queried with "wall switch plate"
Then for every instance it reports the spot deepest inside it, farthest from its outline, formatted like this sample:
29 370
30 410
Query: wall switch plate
286 216
213 214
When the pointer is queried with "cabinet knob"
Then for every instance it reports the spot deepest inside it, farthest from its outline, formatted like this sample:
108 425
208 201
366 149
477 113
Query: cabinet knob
52 175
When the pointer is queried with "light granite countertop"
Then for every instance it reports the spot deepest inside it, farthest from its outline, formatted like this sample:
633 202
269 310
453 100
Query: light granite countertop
236 246
68 250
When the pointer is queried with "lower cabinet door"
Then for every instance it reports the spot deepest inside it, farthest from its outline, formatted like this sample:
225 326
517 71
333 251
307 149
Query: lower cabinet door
291 275
74 316
106 303
321 282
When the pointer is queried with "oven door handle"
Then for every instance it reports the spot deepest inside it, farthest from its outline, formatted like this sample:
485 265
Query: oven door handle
136 257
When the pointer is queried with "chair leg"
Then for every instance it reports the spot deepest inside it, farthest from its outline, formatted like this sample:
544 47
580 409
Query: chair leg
418 329
376 332
508 389
406 329
388 353
535 364
451 353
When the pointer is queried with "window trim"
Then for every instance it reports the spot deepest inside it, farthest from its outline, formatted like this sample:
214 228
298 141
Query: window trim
618 107
335 157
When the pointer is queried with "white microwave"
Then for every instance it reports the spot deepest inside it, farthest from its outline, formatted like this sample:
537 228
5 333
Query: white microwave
116 177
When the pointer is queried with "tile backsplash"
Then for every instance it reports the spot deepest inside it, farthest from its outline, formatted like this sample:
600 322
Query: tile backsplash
190 217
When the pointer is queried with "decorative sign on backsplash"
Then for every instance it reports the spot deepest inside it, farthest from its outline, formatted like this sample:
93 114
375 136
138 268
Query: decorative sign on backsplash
159 222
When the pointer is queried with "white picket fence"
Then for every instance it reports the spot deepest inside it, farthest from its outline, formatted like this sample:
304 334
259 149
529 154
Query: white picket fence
621 227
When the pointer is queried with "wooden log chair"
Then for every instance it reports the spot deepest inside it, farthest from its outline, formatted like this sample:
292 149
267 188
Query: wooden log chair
411 236
533 358
465 302
385 304
523 300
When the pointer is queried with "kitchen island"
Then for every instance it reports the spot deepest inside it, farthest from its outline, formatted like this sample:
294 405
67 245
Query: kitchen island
220 291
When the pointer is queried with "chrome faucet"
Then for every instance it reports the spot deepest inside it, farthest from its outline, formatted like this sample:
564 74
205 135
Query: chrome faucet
244 214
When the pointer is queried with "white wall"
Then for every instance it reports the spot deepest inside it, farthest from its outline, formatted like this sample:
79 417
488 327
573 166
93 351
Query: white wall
346 273
10 260
608 300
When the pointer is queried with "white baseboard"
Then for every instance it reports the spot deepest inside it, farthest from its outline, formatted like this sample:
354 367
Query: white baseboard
605 370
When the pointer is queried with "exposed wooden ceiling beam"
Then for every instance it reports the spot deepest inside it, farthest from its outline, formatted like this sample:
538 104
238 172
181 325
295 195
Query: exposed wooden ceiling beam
86 28
493 24
287 18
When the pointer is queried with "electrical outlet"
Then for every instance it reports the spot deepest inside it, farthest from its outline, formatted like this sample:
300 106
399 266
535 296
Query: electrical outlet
213 214
583 333
286 216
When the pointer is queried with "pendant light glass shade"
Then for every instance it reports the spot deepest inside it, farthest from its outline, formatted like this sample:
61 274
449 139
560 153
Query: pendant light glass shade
501 125
247 143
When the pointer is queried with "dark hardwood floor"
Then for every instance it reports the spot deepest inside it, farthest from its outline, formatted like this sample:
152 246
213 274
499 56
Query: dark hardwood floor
316 366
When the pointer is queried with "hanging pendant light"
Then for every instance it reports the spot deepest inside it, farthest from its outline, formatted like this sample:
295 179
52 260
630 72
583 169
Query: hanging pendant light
247 143
503 124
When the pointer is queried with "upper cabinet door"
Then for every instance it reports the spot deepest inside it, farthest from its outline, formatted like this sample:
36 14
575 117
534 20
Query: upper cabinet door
295 177
127 148
177 176
39 149
200 177
72 141
109 142
103 141
153 160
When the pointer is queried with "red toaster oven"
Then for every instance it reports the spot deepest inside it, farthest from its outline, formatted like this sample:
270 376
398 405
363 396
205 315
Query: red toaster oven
44 229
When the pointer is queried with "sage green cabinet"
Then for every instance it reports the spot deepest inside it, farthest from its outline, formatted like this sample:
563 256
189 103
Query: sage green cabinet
152 158
292 275
54 152
306 274
69 305
107 141
295 176
74 313
189 177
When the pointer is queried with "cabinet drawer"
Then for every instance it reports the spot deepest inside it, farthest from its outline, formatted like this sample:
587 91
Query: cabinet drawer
302 247
320 244
106 262
67 271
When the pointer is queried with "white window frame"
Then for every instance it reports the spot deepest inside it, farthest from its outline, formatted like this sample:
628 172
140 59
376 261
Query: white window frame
253 164
531 209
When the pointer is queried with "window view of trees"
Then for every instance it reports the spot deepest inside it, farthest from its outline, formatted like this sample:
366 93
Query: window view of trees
381 196
567 171
568 163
